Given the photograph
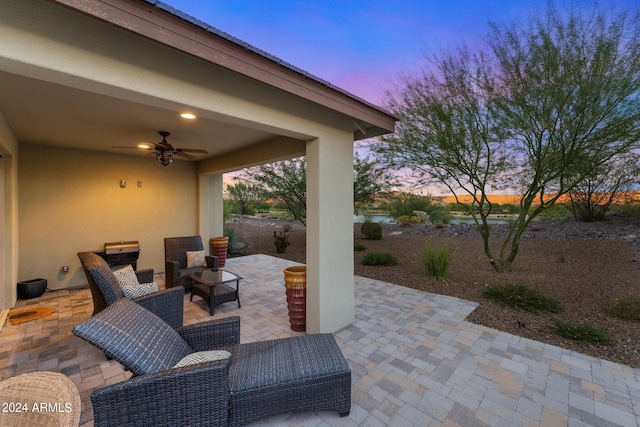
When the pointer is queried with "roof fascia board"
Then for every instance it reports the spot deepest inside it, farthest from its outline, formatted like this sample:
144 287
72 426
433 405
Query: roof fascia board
162 26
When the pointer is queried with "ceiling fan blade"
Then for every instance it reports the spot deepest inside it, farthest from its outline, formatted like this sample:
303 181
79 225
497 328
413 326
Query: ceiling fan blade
192 150
185 155
137 148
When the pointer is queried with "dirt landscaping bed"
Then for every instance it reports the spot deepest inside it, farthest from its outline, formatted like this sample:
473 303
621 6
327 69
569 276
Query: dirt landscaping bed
584 266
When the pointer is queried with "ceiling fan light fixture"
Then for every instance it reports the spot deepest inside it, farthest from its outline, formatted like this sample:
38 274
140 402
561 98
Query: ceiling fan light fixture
188 116
164 157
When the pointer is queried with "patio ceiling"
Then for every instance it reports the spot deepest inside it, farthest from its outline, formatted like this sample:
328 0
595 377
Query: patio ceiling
60 111
46 113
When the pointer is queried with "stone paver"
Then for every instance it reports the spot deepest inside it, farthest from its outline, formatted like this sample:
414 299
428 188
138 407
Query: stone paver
414 359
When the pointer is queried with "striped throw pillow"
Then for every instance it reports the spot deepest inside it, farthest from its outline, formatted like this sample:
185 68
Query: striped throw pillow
203 356
126 276
139 290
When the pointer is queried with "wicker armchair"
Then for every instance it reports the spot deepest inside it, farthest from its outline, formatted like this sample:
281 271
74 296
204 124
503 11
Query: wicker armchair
175 259
304 373
105 290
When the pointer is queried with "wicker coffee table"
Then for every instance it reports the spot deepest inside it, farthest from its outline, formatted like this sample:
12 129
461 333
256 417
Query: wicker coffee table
214 286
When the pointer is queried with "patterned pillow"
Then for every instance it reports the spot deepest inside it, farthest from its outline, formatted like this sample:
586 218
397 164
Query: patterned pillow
196 259
132 335
126 276
203 356
142 289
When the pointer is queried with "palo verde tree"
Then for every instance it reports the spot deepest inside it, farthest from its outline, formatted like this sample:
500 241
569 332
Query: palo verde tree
607 183
244 196
286 181
534 113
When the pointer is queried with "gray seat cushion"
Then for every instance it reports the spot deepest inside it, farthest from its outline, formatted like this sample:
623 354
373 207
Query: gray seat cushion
286 360
132 335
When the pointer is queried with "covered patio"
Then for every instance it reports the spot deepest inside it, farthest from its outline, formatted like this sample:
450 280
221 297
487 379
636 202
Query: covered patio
414 359
84 82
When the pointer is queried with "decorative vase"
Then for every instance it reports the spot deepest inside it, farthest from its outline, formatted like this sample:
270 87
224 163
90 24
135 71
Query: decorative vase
219 247
295 282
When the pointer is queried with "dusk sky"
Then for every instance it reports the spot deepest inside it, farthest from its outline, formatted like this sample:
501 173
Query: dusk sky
362 46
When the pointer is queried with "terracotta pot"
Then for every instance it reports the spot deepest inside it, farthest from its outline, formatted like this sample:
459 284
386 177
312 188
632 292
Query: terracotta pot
219 248
295 282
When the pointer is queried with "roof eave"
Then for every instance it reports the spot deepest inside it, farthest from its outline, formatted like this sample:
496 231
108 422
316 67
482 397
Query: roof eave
164 24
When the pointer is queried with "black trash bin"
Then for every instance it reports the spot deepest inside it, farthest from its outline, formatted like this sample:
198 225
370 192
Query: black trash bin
32 288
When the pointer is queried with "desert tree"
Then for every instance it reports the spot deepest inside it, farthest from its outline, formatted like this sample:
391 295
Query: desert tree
244 196
286 181
370 179
534 113
608 183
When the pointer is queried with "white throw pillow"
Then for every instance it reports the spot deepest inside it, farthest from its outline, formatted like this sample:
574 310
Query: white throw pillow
203 356
126 276
141 289
196 259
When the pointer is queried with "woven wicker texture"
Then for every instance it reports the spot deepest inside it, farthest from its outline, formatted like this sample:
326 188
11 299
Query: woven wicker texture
175 258
258 380
107 283
168 305
288 375
135 337
46 399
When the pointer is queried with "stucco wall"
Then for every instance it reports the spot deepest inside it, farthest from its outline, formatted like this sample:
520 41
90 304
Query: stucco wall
70 201
9 217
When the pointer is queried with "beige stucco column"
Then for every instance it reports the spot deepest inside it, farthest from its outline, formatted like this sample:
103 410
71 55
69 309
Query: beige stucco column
211 206
330 286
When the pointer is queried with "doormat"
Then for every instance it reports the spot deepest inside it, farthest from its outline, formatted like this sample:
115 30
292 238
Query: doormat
27 314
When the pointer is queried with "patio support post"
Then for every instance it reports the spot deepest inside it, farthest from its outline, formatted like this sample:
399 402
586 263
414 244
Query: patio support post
210 210
330 280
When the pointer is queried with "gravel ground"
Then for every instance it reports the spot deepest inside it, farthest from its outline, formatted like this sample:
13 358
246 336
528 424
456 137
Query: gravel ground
584 266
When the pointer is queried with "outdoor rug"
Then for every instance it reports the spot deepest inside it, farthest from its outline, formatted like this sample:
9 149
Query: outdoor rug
27 314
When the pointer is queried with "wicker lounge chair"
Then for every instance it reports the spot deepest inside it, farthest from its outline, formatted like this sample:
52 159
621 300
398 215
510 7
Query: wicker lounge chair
175 259
168 305
257 380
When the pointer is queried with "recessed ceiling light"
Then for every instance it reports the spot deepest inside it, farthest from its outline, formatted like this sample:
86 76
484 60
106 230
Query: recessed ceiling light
188 116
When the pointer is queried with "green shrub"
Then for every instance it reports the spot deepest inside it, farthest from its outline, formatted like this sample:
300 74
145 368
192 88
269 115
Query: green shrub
421 208
281 242
555 211
403 219
359 247
236 244
371 230
379 258
421 217
522 297
436 259
581 333
628 209
625 308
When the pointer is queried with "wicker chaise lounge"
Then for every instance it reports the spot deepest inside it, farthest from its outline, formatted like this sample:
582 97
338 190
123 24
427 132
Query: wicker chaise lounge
255 381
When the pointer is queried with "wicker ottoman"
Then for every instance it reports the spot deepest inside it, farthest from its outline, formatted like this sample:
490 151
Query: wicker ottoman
304 373
39 399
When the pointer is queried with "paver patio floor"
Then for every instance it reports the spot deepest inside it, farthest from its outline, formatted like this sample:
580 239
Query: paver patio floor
415 361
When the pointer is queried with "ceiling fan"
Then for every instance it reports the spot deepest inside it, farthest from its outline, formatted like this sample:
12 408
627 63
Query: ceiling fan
165 151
